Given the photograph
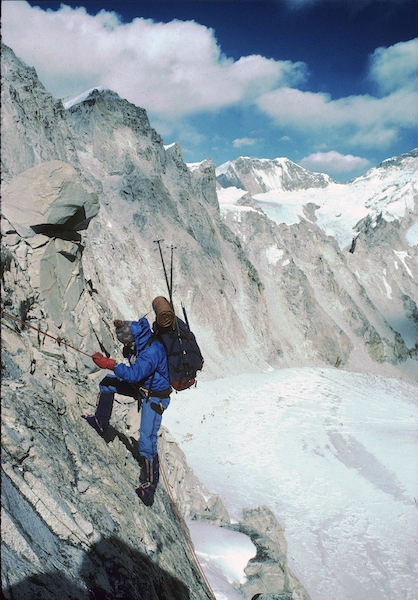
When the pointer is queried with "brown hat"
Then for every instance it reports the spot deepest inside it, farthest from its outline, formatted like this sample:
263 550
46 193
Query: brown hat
123 331
164 314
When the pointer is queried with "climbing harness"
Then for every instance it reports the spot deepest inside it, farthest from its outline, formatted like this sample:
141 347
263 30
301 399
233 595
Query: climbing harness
179 519
186 534
57 339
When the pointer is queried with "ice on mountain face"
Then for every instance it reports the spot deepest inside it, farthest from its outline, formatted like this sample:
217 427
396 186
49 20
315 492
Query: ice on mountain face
222 168
386 191
84 96
230 196
412 235
223 554
402 257
333 454
273 255
194 166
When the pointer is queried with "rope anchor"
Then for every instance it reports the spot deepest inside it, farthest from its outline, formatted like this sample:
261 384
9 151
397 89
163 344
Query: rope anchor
58 339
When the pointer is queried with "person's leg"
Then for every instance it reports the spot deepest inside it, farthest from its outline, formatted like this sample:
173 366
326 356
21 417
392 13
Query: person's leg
147 445
104 406
148 430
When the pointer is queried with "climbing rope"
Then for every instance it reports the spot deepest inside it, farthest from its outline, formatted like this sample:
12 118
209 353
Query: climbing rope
186 535
57 339
180 521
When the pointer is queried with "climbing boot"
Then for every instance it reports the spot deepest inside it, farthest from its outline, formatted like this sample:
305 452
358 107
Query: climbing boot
149 477
100 420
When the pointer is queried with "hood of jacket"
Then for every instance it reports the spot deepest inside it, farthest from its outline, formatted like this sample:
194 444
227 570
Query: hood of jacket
141 332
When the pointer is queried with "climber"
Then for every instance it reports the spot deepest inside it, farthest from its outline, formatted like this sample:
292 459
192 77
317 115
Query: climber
146 379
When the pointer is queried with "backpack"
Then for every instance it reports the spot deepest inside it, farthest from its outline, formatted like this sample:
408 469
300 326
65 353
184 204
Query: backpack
183 354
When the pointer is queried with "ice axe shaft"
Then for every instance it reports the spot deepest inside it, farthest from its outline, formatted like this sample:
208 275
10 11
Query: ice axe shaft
169 287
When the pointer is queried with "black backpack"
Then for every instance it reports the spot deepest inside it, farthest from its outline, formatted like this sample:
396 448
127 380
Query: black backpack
183 354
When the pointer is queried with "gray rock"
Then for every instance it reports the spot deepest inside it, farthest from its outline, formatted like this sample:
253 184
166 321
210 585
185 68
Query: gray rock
49 199
34 125
69 508
268 572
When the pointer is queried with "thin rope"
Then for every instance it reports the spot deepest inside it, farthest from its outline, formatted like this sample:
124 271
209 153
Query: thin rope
189 542
186 534
57 339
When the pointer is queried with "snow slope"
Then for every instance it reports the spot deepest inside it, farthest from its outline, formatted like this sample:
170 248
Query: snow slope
385 190
332 453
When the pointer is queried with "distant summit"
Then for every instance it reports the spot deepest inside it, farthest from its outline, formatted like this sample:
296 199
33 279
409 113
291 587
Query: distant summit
260 175
87 95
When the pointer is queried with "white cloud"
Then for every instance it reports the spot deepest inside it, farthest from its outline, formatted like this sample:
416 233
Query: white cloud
361 120
177 69
240 142
334 162
171 69
395 67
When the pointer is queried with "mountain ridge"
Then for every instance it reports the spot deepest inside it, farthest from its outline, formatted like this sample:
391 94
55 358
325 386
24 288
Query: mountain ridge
260 295
145 187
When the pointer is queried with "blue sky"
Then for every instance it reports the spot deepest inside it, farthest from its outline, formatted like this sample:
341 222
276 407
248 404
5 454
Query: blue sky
330 84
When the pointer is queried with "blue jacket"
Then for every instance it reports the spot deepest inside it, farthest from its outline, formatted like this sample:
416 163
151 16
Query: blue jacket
151 358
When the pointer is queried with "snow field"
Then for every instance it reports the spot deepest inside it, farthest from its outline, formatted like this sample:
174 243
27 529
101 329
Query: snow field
333 454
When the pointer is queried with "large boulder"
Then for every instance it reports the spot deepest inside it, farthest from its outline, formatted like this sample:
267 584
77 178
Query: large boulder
43 211
268 573
49 199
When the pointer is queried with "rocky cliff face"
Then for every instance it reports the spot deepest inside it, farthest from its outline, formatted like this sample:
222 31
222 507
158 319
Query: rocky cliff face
357 303
86 192
84 197
34 125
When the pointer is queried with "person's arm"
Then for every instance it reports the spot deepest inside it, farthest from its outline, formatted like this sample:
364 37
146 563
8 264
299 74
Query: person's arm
144 366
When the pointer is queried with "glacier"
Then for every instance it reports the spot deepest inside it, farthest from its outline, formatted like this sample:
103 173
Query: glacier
333 454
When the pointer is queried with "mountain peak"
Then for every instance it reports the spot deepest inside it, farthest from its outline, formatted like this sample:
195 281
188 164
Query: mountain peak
260 175
89 95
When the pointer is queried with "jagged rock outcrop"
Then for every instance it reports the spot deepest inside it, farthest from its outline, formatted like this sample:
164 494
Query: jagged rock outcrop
48 199
268 572
33 124
72 525
45 210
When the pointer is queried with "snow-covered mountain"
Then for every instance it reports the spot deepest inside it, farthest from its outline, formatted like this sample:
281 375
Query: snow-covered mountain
388 191
259 175
86 192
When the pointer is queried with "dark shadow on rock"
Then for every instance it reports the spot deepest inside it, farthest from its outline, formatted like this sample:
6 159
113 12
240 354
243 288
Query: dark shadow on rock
130 443
110 571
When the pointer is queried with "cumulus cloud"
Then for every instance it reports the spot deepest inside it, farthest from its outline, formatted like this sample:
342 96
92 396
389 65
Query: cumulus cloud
361 120
395 67
334 162
240 142
172 69
177 69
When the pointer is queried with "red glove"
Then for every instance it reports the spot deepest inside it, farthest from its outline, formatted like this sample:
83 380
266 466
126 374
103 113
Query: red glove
103 362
